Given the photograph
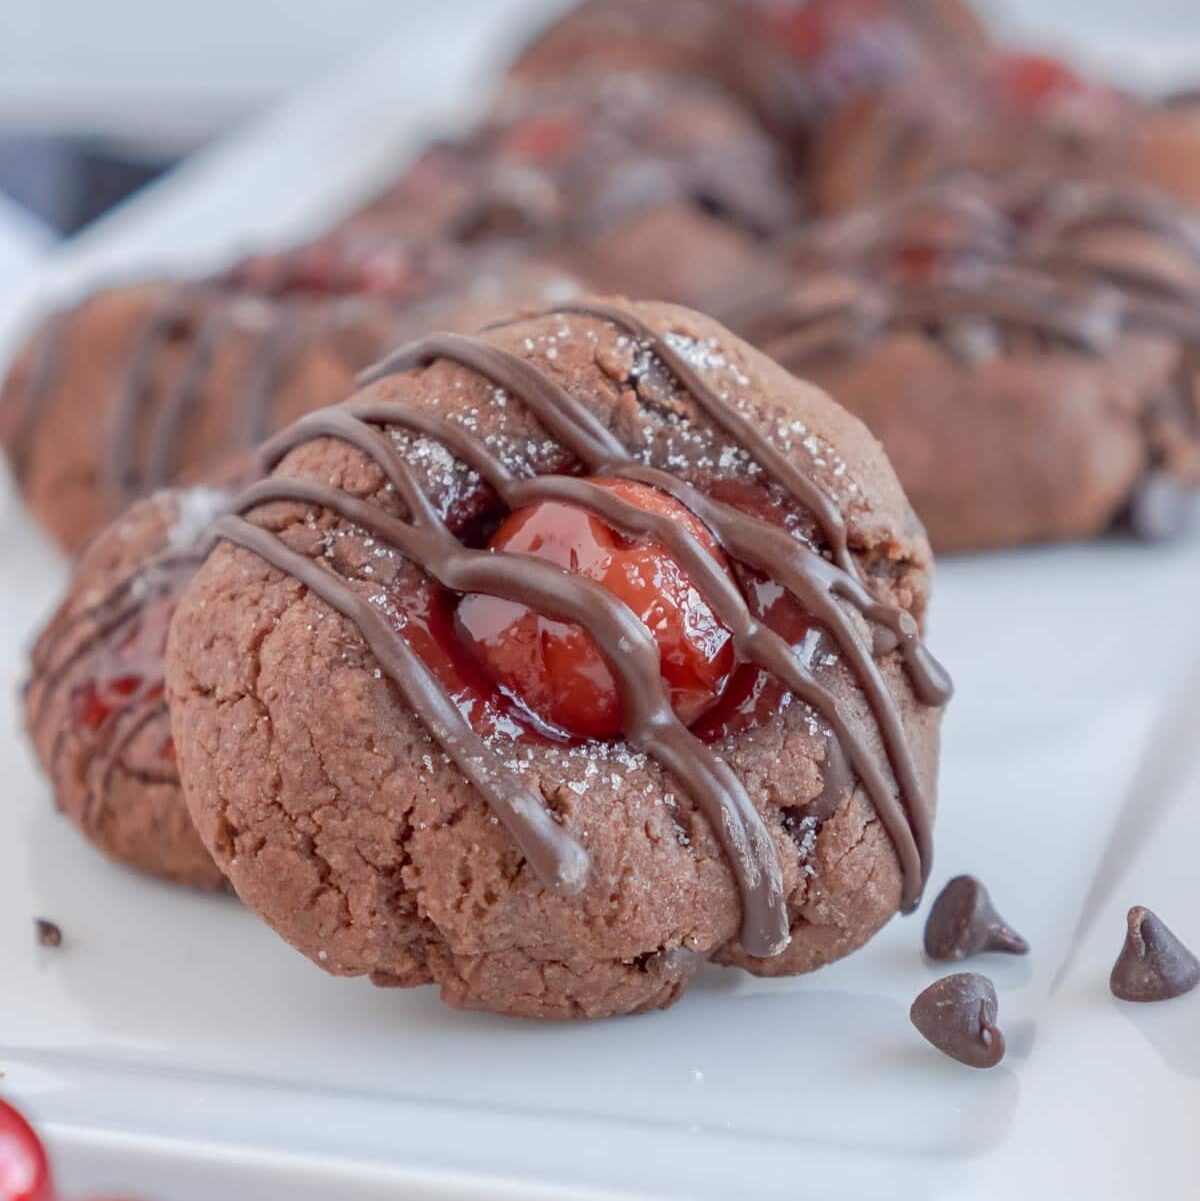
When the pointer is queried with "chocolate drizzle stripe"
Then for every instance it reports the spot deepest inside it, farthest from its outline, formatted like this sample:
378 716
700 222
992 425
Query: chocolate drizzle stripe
343 425
571 424
555 857
43 368
633 657
158 468
1074 208
279 348
148 419
786 311
121 475
976 222
1088 321
126 729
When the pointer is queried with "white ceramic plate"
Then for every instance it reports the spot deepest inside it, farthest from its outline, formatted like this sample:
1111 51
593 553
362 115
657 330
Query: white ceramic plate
176 1049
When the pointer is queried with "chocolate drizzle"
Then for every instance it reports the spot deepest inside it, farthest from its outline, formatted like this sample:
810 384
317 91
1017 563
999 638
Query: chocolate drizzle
1068 211
149 419
796 326
630 650
43 369
90 634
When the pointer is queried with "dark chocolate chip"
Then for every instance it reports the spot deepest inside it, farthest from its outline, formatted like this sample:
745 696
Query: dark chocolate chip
48 934
957 1014
963 922
1153 965
1163 508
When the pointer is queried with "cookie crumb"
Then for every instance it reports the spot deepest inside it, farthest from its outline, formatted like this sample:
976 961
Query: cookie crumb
48 934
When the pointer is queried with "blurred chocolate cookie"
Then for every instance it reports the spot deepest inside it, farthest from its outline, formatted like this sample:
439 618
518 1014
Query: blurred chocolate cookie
657 187
95 704
1016 407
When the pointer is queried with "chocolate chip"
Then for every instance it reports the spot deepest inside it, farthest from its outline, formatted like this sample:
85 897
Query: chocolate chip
48 934
1153 965
957 1014
1163 508
963 922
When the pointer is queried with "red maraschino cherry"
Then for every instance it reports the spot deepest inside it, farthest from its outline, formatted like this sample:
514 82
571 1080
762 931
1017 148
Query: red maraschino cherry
554 669
1030 82
24 1168
24 1165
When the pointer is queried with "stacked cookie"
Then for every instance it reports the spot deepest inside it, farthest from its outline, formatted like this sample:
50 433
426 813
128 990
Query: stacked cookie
566 656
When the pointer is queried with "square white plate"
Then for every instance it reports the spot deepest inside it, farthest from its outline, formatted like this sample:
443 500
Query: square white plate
175 1049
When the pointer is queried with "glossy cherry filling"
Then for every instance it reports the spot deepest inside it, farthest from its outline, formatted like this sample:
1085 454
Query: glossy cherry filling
818 29
24 1166
1032 83
540 140
131 672
554 669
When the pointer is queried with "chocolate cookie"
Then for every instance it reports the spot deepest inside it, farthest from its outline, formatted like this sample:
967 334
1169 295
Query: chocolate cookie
95 705
596 170
671 37
141 387
1166 148
1002 117
790 60
1121 233
798 61
1016 407
408 755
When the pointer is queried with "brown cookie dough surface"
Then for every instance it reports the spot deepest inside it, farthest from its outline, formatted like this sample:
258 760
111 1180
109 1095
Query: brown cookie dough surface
95 707
339 819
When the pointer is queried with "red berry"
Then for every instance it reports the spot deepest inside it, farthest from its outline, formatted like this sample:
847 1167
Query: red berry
540 139
24 1168
130 673
814 29
555 669
1031 81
